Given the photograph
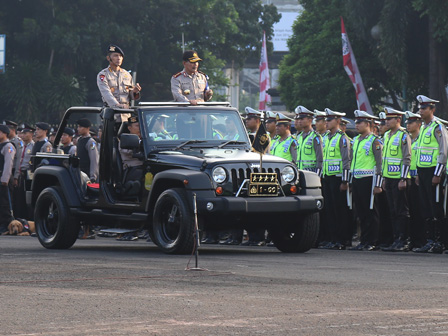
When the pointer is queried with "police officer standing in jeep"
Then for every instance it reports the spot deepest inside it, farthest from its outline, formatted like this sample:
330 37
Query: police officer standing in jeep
66 140
7 153
87 151
431 162
190 84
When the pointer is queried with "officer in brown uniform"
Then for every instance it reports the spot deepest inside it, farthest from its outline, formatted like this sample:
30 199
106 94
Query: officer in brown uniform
191 85
115 83
7 152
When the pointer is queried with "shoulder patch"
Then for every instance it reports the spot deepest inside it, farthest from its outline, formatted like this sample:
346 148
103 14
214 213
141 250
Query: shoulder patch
177 75
203 73
102 78
93 145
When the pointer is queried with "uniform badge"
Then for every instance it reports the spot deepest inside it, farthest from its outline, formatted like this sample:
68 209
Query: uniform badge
112 89
102 77
92 146
377 147
186 92
28 151
10 150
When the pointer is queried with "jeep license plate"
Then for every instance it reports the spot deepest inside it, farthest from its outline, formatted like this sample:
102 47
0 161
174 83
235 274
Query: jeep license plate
263 184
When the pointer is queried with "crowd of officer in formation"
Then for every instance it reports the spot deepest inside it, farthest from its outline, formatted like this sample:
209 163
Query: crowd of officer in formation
388 184
385 183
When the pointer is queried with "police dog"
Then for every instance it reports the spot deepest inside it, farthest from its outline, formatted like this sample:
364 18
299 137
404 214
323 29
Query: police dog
17 228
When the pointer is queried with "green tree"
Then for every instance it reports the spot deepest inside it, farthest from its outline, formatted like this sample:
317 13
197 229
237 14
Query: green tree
312 73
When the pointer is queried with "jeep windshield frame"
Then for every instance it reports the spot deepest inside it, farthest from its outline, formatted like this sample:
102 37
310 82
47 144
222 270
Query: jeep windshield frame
189 127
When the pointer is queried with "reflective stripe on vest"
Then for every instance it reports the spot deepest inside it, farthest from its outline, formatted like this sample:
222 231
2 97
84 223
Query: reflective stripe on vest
332 156
363 162
427 147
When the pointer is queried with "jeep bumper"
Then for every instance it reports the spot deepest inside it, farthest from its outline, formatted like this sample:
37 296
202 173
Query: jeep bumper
257 205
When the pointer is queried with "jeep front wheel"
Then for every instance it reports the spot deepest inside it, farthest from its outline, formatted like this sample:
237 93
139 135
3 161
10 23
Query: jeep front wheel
54 226
297 238
173 222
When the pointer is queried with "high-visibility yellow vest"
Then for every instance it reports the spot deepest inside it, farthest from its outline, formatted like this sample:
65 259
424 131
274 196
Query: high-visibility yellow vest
427 147
363 163
306 155
282 148
332 164
392 154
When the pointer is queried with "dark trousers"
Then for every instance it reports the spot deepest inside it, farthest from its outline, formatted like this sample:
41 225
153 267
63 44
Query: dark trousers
386 235
336 209
324 229
432 211
5 208
398 209
19 201
416 226
362 191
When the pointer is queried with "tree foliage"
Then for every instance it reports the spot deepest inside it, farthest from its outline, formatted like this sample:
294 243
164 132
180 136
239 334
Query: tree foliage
57 47
395 66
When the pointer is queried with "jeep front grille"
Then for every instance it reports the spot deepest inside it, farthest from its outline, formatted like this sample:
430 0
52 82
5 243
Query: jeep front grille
239 175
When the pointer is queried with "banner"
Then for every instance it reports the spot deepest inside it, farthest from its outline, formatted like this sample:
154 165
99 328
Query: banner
351 67
265 99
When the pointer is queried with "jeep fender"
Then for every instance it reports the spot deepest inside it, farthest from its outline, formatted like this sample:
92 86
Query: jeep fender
309 180
47 176
177 178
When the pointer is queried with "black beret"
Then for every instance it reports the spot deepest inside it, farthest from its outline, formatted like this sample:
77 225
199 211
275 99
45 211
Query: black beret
43 125
4 129
84 122
191 56
132 120
69 131
114 48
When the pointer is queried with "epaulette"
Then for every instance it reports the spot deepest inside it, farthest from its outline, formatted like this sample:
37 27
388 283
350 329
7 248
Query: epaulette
203 73
177 75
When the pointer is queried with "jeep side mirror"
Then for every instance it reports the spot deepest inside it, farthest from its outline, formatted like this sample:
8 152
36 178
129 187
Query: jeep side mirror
129 141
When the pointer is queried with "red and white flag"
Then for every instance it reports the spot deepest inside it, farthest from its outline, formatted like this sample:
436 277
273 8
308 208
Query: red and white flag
352 70
265 99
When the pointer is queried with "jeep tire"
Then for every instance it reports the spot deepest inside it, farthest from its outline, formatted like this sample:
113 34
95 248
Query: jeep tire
173 222
54 226
298 239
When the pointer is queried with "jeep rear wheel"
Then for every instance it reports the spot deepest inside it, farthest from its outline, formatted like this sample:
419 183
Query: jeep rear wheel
298 239
54 227
173 222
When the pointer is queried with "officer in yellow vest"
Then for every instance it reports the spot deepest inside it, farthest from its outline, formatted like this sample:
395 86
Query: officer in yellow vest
416 230
366 179
431 162
309 143
284 145
297 122
335 172
396 165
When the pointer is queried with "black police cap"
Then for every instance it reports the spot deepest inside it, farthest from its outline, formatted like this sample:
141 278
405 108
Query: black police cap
28 128
10 123
43 125
114 48
132 120
84 122
191 56
4 129
69 131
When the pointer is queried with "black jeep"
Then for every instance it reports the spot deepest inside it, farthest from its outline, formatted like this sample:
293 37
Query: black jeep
193 158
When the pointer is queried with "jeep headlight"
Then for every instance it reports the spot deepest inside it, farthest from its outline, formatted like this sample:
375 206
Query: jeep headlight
219 174
288 174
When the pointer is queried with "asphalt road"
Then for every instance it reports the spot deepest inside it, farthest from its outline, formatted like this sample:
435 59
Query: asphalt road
106 287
